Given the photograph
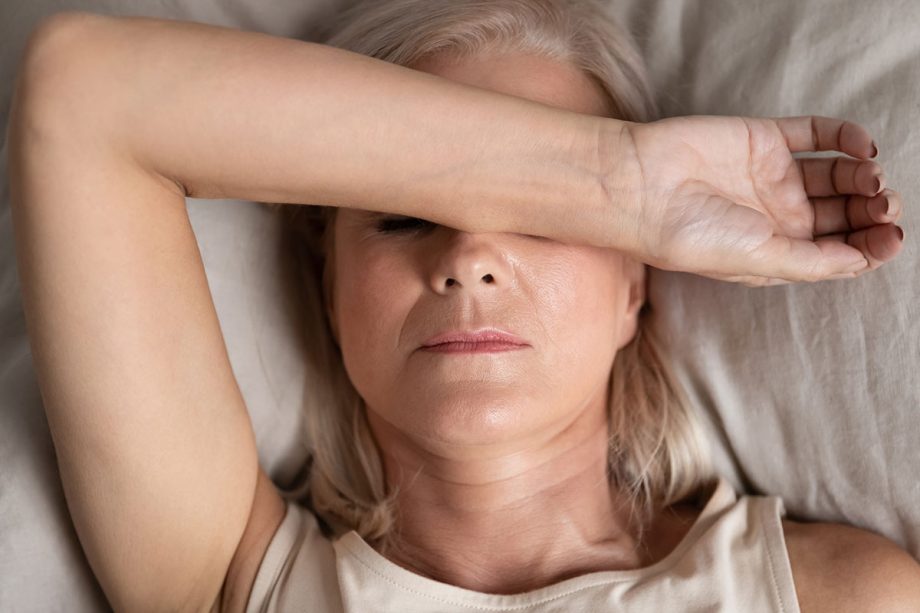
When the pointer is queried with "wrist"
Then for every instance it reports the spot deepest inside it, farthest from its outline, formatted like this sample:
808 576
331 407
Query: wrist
579 182
572 177
525 168
617 213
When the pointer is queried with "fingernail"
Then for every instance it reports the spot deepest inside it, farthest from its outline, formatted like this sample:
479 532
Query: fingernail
874 150
900 233
890 210
879 183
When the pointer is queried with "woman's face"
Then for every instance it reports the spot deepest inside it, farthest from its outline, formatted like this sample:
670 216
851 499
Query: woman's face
398 284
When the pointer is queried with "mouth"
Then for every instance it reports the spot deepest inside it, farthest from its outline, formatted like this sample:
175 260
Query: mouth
473 347
485 340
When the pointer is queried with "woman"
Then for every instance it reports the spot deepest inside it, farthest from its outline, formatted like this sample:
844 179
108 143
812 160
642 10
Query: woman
495 463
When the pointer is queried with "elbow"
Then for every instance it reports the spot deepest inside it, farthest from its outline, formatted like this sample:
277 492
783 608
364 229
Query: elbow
52 33
50 75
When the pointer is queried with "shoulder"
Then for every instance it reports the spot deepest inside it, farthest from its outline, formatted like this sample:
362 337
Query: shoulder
837 567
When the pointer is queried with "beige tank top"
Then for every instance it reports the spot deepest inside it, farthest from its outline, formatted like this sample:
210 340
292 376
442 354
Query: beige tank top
733 558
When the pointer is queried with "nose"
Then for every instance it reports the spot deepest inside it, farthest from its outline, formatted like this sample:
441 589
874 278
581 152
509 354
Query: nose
471 262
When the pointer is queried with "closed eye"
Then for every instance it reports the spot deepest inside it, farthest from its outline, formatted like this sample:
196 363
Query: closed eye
393 224
401 224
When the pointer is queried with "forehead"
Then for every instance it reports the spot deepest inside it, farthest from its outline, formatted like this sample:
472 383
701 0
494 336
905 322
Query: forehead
552 82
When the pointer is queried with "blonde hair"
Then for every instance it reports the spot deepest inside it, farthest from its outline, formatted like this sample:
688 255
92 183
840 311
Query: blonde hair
658 452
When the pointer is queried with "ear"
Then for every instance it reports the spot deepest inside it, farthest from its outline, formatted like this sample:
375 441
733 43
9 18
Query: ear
635 272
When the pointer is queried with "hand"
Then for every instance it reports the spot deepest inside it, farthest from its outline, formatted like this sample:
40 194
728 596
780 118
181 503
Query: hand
724 198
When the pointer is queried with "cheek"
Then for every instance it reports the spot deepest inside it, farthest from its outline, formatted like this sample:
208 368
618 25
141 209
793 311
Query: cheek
583 314
373 296
580 298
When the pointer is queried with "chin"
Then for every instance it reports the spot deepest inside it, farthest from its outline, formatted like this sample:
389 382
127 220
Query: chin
468 417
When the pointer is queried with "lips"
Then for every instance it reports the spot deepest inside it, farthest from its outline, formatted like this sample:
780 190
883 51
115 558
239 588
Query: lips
486 337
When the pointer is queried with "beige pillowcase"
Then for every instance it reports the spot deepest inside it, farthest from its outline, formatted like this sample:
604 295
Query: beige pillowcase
813 391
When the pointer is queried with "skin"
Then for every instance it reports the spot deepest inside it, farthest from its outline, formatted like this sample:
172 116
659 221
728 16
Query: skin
495 452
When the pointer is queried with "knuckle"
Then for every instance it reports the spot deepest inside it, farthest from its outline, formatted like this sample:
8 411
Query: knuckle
811 275
874 167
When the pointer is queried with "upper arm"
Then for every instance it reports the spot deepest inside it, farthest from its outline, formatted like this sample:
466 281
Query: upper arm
268 509
842 568
155 449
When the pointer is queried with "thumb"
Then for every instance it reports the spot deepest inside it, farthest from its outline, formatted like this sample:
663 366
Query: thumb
798 259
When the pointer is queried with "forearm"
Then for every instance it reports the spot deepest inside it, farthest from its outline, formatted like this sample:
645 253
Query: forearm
233 114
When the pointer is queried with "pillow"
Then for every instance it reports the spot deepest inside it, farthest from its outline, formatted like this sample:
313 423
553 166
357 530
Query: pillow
792 379
812 390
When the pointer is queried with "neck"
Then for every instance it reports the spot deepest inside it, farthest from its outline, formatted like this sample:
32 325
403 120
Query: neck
508 523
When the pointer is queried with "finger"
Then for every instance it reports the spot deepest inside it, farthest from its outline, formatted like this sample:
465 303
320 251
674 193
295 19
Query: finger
849 213
816 133
879 244
839 175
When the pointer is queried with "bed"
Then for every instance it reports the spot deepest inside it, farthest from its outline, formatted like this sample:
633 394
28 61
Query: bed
810 392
